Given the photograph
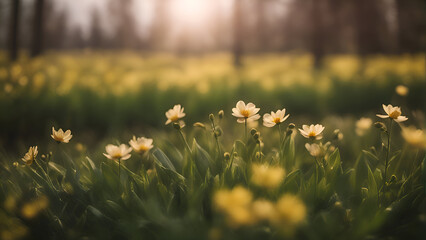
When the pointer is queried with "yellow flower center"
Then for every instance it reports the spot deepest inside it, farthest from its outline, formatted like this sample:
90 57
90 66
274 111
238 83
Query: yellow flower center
395 114
312 134
174 118
277 120
116 155
143 148
245 113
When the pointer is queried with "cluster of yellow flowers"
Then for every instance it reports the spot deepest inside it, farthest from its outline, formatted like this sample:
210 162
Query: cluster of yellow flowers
140 145
240 209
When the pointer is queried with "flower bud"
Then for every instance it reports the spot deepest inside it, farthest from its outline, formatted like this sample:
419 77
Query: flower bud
337 134
364 192
289 132
253 131
291 126
256 135
43 156
393 179
380 126
227 156
200 125
235 154
221 114
218 132
176 126
15 164
211 117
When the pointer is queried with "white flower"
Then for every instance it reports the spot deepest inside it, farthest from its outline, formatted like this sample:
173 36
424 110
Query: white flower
401 90
270 120
116 153
392 112
312 131
30 155
175 114
414 137
61 136
362 125
317 150
141 144
245 112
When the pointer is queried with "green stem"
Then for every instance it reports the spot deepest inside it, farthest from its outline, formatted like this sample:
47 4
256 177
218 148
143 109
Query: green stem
245 130
387 156
215 136
119 166
186 143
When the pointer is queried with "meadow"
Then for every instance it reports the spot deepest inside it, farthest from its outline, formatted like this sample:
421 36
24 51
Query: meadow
219 168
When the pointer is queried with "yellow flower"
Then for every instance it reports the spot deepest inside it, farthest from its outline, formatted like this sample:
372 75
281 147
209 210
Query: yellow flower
362 125
267 176
235 204
401 90
270 120
290 211
141 144
33 208
30 155
61 136
414 137
312 131
393 112
174 114
116 153
317 150
263 210
245 112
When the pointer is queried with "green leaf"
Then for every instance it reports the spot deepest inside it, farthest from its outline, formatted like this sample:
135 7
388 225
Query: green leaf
202 159
162 159
288 153
372 185
57 168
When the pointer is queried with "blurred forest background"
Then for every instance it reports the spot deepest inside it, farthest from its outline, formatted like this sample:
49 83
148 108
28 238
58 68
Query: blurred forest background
199 26
104 67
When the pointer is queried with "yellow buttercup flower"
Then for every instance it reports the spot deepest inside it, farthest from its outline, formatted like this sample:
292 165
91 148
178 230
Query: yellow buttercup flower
116 153
415 137
290 211
245 112
30 155
401 90
267 176
275 118
312 131
235 204
362 125
392 112
141 144
61 136
174 114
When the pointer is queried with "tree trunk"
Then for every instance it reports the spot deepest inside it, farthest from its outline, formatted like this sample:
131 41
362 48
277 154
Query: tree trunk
237 41
14 30
38 31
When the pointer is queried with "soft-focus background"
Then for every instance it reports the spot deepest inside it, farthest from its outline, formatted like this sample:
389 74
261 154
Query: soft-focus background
107 68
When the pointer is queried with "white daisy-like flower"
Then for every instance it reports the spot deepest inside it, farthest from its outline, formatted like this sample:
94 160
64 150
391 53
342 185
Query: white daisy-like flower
393 112
30 155
317 150
141 144
116 153
415 137
312 131
61 136
275 118
245 112
362 125
174 114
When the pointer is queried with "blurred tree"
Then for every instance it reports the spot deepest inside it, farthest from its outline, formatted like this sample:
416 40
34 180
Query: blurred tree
124 24
56 28
237 32
160 24
96 37
14 29
411 17
38 30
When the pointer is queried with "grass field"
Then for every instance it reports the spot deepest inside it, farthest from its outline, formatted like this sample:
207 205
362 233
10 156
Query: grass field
361 177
